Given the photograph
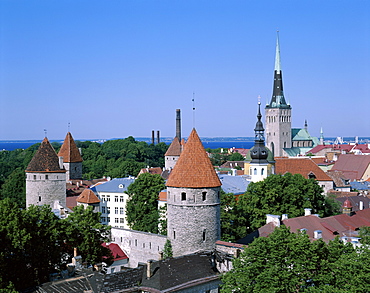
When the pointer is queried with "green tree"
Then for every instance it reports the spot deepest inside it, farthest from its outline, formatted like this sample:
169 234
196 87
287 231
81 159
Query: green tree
30 244
14 187
236 157
167 250
282 194
84 231
289 262
142 207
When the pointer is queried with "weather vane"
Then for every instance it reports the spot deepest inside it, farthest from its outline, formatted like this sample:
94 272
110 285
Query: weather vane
46 132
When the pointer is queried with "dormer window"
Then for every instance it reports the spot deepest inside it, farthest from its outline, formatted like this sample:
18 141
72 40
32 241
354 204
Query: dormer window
121 186
311 176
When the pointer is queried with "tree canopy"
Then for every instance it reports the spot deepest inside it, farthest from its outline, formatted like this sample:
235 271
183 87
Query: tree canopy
277 194
142 207
288 262
34 242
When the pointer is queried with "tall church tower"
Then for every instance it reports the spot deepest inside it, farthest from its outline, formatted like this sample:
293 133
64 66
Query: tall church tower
72 159
278 113
193 201
45 178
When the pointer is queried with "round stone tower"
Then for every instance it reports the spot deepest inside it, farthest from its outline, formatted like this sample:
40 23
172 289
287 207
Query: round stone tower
45 178
193 201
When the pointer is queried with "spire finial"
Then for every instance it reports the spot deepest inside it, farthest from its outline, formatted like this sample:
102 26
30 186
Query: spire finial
46 132
193 100
277 56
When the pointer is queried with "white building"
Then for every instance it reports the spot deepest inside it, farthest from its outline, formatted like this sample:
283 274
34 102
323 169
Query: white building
113 200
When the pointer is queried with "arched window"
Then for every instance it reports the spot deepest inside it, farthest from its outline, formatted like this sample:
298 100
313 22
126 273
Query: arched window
255 171
262 171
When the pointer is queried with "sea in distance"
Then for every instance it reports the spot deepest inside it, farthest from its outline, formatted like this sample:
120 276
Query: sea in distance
208 142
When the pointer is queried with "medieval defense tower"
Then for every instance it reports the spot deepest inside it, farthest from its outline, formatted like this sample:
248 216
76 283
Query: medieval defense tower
193 201
174 150
278 113
45 178
72 159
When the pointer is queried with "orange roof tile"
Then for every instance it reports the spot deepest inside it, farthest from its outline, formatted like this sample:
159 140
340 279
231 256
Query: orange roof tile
194 168
69 150
175 148
45 159
303 166
88 196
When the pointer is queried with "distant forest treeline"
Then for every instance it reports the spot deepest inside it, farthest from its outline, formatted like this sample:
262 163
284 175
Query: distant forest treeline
114 158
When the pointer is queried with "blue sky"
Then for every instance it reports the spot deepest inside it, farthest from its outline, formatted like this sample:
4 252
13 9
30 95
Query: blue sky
118 68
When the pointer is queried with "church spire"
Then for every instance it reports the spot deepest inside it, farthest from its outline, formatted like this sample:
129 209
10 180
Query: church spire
278 99
259 151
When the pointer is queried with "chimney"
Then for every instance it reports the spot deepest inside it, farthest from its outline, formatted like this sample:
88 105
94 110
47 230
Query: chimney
61 166
74 251
149 268
80 151
178 124
307 212
158 137
361 205
284 217
152 136
275 219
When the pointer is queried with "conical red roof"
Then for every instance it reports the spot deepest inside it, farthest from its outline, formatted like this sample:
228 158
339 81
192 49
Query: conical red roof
88 196
69 150
193 169
175 148
45 159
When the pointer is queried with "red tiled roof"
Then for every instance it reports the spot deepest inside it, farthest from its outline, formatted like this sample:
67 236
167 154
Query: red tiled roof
162 196
352 166
71 202
304 166
194 168
318 148
45 159
69 150
175 148
155 170
116 251
88 196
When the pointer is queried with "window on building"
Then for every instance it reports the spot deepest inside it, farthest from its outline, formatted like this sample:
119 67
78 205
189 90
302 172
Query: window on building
204 195
34 177
183 196
255 171
116 220
103 219
135 242
108 210
174 234
108 197
121 198
46 177
116 210
121 210
121 220
108 219
39 198
103 210
103 197
204 235
116 198
262 171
